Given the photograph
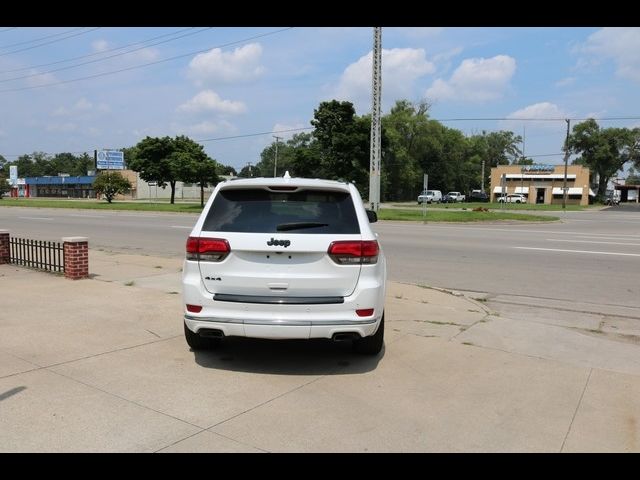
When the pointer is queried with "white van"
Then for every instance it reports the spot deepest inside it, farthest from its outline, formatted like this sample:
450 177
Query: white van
430 196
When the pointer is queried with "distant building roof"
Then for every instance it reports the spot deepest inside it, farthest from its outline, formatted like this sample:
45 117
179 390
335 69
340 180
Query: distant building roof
85 180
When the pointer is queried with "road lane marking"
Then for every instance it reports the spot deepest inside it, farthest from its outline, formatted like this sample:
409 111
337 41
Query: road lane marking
36 218
579 251
473 228
591 241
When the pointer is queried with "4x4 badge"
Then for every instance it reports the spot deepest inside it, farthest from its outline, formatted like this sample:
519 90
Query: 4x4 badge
273 242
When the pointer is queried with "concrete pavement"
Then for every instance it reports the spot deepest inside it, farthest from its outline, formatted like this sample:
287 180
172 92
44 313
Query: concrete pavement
102 365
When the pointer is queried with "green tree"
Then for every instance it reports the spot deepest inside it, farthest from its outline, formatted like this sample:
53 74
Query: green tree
4 185
605 151
194 164
226 170
343 141
402 175
110 184
633 178
524 161
165 160
247 171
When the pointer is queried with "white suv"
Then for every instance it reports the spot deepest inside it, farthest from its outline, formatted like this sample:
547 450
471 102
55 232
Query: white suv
284 258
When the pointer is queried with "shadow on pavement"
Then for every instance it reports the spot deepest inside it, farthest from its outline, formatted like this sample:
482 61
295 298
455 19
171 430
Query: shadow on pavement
287 357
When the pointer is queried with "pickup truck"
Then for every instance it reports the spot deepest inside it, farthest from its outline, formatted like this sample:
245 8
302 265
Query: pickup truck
453 197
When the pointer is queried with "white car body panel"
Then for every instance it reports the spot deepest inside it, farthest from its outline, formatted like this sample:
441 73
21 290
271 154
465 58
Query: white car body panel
255 269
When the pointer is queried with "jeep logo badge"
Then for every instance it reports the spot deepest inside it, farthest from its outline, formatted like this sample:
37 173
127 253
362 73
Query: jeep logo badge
274 243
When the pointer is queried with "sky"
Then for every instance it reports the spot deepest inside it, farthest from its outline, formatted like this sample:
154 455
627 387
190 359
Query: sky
77 89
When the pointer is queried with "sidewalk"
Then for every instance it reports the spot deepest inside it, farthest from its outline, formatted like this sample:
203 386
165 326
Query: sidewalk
102 365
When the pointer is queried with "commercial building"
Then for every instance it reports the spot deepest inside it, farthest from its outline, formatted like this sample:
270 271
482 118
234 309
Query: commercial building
65 186
542 183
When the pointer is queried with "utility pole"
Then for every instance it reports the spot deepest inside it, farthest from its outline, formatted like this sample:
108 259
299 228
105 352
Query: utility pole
524 138
275 164
482 187
566 159
249 165
376 93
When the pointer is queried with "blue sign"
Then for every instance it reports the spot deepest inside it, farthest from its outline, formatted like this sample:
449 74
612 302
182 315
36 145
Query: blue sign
110 160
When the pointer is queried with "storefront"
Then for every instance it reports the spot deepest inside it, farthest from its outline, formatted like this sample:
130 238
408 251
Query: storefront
542 183
61 187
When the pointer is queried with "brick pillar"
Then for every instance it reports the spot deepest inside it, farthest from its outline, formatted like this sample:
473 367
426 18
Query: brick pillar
76 257
4 247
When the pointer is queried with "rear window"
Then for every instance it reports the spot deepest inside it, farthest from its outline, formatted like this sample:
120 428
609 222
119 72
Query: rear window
263 211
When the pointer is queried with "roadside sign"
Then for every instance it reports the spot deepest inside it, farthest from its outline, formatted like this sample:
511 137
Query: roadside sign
13 174
110 160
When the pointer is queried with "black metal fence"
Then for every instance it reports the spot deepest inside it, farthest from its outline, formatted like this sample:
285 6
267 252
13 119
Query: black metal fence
38 254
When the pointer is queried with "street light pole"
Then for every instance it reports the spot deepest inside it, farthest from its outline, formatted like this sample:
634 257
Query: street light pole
275 163
566 159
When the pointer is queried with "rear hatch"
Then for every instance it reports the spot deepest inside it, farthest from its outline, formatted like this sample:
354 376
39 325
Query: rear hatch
278 240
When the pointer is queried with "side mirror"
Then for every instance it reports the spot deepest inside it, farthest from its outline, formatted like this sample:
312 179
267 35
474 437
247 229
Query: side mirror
372 216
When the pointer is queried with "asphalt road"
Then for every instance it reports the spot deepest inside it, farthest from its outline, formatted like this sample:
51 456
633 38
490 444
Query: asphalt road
590 257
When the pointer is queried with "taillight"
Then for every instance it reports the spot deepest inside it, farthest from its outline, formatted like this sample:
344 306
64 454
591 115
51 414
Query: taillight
365 312
205 249
354 252
194 308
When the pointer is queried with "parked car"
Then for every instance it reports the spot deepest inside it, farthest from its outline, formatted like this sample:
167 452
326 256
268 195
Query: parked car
453 197
284 258
513 198
478 196
430 196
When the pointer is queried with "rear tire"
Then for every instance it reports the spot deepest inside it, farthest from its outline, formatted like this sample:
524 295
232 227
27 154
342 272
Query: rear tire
196 342
372 344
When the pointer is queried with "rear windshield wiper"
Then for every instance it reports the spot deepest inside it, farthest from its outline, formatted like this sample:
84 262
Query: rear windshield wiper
284 227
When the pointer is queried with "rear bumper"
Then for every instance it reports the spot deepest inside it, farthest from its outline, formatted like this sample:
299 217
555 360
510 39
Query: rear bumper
281 321
281 329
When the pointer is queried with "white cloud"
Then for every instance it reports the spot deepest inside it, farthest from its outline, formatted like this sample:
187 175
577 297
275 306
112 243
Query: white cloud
565 82
206 127
476 80
100 45
81 107
540 110
210 101
448 55
83 104
40 79
401 67
620 44
216 66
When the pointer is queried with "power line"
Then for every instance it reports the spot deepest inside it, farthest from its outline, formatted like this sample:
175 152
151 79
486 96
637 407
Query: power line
102 59
271 132
96 53
49 43
253 134
40 38
146 64
531 119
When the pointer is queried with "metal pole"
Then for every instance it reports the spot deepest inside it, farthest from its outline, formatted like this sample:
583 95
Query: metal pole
524 137
482 176
376 92
566 159
275 164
